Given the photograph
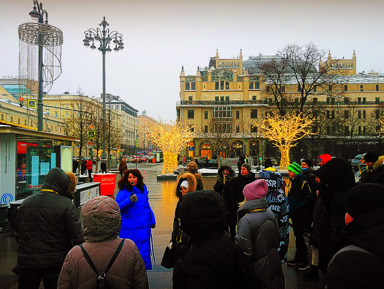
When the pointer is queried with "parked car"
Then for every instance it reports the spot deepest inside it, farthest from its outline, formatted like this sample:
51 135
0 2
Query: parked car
208 163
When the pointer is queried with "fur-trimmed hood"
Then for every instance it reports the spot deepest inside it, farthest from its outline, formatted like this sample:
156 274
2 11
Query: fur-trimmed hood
220 172
192 183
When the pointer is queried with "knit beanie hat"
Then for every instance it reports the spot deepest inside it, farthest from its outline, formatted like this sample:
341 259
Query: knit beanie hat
371 157
256 190
247 166
364 198
295 168
325 158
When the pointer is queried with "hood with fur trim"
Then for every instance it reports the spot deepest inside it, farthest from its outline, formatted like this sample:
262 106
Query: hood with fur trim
220 172
192 183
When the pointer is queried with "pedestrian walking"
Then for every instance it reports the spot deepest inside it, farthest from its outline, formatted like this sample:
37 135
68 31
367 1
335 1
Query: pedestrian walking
83 166
101 220
278 204
47 226
236 195
258 235
137 217
240 162
300 205
122 167
89 166
361 263
103 167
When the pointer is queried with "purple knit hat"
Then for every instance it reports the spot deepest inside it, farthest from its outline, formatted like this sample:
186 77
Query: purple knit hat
256 190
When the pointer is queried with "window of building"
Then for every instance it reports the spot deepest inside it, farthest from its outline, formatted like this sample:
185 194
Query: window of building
346 114
187 86
315 100
227 98
205 114
377 87
377 114
253 128
346 130
237 114
191 114
18 121
361 87
190 98
253 97
11 118
221 98
193 86
253 113
377 100
222 112
25 122
359 100
206 129
364 114
330 87
346 100
221 85
345 87
217 98
222 127
328 130
2 116
251 85
192 129
364 100
217 85
359 114
237 129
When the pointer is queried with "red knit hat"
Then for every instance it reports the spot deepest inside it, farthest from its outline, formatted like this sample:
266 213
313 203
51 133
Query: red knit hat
325 158
256 190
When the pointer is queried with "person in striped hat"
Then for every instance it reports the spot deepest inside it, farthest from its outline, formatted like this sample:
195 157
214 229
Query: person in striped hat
300 200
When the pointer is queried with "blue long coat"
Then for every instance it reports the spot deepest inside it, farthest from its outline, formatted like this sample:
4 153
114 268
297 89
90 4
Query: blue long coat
136 220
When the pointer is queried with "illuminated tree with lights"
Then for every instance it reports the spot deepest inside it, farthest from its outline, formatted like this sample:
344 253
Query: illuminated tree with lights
284 132
171 138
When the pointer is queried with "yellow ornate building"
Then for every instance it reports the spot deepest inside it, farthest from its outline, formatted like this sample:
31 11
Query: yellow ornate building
223 99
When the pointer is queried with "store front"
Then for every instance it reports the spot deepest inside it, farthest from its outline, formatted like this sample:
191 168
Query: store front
26 156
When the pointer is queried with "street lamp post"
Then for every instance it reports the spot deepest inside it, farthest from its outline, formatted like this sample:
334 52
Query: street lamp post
104 37
40 15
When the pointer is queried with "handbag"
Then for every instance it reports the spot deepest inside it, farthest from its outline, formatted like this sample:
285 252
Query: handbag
170 256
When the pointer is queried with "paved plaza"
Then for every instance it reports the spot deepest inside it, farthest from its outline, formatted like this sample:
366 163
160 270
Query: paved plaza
163 202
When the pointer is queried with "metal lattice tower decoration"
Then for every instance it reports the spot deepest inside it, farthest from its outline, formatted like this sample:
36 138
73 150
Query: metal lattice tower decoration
40 49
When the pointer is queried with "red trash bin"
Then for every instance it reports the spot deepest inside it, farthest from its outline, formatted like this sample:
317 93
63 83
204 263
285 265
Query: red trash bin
107 184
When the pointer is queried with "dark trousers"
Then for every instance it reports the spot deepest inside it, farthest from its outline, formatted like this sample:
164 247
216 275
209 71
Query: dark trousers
90 175
31 278
298 226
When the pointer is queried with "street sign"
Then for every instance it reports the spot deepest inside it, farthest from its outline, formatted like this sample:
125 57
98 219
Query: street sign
32 103
91 134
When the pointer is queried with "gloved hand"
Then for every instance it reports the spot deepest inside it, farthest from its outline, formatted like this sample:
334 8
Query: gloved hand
153 226
133 198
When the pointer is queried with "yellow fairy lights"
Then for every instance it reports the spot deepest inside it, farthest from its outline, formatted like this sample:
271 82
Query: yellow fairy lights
284 132
170 137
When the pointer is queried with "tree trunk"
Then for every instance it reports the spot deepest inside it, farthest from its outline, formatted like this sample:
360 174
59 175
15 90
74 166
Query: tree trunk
170 163
284 161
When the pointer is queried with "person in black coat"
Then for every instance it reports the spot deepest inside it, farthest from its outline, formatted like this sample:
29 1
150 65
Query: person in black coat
365 229
211 261
103 167
236 196
47 227
336 179
225 175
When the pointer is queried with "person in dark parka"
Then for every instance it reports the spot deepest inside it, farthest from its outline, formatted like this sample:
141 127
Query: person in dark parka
47 227
211 261
365 229
336 179
225 175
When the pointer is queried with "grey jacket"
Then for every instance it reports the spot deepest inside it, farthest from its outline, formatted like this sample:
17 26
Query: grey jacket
258 237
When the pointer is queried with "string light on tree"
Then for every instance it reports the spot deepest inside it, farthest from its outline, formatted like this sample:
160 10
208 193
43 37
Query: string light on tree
170 137
284 132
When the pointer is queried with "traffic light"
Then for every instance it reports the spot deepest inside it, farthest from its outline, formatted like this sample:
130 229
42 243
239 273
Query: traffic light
21 101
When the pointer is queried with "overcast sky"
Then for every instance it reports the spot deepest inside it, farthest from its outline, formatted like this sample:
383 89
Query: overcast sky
162 36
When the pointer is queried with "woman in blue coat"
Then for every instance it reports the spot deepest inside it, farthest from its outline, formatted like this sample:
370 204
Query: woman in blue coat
137 217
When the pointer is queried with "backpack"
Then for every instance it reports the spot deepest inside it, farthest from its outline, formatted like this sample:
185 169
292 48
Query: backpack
246 277
101 276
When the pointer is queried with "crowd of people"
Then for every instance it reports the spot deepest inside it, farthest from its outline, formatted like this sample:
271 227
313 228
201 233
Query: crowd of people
343 218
